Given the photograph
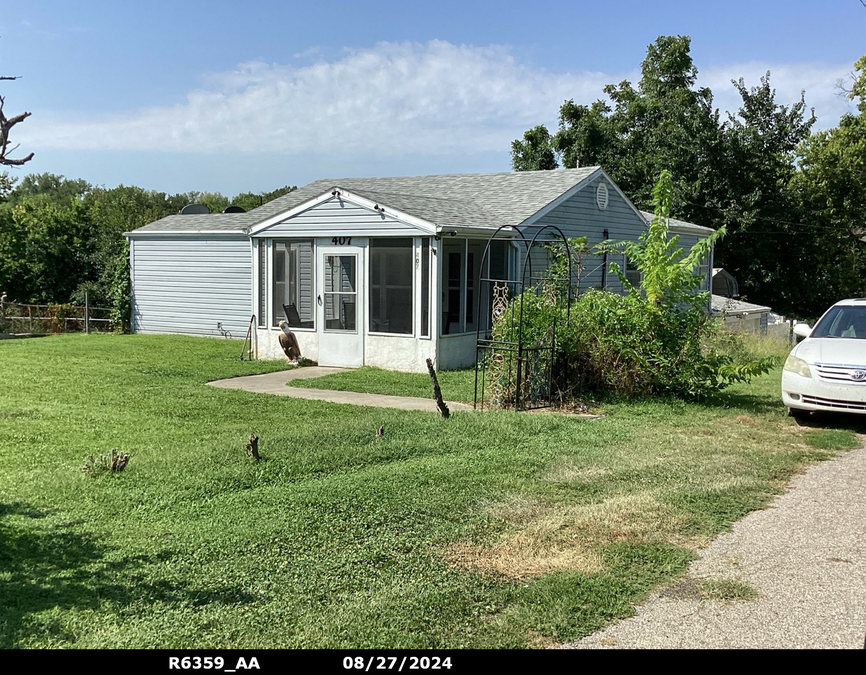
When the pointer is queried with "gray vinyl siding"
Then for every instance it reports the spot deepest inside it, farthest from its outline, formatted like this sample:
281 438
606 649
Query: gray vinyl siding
336 217
263 283
186 285
579 216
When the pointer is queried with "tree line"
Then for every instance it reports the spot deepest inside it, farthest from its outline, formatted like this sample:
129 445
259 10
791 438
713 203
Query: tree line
793 201
61 237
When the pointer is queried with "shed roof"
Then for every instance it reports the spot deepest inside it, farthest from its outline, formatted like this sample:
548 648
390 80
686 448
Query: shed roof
729 306
681 226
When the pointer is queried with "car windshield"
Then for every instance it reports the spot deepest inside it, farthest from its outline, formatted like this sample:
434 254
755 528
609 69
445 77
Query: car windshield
844 321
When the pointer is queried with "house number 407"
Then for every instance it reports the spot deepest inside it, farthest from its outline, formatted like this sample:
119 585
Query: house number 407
342 241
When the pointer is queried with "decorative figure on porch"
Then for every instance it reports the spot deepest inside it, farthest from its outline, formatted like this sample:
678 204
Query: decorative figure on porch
289 342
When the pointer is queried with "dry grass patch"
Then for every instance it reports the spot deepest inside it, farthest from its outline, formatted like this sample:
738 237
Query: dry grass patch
547 538
566 471
523 557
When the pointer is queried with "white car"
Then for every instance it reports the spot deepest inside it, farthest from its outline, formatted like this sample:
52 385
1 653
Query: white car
827 370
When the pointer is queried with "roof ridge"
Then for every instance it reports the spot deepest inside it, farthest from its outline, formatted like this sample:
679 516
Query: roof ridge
463 174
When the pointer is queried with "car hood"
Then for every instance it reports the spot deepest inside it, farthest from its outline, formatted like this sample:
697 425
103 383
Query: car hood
832 350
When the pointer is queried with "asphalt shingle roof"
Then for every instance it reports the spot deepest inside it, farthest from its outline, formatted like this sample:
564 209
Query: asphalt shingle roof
681 225
481 199
721 304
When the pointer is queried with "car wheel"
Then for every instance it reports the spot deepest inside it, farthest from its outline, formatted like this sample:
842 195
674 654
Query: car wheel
797 413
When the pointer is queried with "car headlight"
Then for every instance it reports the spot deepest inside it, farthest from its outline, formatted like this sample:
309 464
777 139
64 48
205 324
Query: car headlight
798 366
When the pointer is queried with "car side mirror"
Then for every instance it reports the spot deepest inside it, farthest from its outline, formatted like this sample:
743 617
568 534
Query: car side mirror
802 330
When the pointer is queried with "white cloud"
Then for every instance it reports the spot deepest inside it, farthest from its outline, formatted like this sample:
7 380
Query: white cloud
392 99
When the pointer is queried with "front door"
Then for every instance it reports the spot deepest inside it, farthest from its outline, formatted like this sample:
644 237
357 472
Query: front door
340 306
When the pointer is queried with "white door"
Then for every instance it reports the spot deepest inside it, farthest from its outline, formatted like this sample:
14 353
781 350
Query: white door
340 306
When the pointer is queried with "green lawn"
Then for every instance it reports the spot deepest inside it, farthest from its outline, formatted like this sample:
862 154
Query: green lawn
486 530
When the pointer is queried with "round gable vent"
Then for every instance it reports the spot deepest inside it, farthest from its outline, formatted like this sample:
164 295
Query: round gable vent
601 195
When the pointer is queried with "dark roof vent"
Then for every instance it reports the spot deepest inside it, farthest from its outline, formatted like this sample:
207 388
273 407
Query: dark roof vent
194 210
234 209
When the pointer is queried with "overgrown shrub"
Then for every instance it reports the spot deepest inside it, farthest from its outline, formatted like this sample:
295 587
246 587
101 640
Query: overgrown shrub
623 345
657 339
540 316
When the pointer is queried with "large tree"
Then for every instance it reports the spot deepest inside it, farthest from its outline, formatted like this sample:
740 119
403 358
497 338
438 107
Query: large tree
663 124
533 153
732 171
829 191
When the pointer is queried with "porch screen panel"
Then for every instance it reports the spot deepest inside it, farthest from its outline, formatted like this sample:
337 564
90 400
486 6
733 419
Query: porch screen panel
340 292
391 272
293 283
498 269
425 287
263 284
474 253
453 277
461 264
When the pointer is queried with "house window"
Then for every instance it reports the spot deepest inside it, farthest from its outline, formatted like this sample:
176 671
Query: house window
391 272
293 283
632 273
703 271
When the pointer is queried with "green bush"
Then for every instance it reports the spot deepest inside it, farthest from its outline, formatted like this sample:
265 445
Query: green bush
624 345
657 339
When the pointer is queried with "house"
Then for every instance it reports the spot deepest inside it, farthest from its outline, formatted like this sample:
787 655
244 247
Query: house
370 271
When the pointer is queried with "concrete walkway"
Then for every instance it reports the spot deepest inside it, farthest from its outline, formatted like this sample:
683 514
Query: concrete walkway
275 383
806 557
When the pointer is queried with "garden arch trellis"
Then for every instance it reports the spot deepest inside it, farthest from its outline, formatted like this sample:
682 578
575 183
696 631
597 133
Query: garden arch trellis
510 373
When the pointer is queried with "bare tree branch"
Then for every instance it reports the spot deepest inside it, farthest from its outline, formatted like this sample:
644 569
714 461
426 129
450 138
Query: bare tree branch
6 123
841 89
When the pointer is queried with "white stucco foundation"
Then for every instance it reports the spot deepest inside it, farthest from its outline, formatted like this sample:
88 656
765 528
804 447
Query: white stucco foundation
269 344
399 352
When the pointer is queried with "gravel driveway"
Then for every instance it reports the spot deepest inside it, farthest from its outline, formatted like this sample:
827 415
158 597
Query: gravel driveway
805 556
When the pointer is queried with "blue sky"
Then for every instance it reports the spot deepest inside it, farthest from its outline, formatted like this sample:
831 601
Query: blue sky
230 96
